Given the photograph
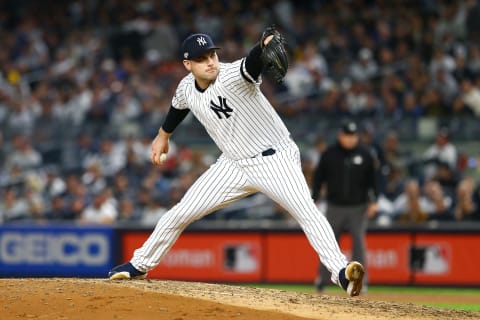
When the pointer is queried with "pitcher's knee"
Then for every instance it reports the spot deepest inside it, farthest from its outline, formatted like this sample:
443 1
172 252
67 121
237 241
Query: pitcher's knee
177 217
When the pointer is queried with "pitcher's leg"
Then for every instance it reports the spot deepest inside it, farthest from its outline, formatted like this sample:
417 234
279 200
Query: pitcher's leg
336 219
286 185
321 236
220 185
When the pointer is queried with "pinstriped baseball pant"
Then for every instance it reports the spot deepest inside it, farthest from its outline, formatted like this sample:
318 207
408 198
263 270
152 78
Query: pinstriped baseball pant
279 176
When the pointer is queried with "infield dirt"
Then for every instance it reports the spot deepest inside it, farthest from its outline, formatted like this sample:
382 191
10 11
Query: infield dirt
71 298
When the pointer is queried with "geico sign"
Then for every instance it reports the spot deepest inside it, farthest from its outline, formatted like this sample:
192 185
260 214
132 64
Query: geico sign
63 248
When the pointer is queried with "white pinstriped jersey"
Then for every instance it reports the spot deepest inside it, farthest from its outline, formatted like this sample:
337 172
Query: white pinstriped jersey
243 124
234 111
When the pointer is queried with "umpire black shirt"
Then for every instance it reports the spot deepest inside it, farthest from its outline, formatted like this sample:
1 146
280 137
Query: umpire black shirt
348 174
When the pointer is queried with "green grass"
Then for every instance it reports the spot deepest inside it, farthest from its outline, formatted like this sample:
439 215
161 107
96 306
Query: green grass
388 289
456 306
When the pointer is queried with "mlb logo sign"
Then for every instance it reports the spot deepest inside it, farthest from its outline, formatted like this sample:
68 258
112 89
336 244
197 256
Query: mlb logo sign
241 258
434 259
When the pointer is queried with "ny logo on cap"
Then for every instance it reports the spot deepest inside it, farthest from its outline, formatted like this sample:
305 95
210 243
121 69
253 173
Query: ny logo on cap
201 41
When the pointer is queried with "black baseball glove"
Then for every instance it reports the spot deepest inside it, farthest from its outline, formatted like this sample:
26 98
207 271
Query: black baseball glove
274 55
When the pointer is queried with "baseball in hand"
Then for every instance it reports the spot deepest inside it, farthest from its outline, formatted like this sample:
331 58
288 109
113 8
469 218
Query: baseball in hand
163 158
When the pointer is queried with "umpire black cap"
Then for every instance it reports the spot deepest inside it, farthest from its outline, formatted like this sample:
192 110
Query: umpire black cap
196 45
349 127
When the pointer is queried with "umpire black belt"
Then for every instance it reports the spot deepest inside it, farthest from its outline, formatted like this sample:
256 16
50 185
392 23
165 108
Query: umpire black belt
265 153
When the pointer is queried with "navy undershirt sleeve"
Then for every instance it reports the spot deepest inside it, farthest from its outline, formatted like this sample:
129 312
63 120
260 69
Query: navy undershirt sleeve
253 62
173 119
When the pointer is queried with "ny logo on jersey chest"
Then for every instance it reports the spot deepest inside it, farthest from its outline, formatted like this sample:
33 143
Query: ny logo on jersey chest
221 109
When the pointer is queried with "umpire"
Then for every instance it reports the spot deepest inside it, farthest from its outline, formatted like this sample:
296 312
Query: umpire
347 172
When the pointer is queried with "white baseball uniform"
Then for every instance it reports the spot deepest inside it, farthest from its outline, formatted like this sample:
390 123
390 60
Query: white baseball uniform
243 124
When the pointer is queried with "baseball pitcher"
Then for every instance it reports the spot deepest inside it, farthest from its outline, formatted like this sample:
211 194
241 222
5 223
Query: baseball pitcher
258 154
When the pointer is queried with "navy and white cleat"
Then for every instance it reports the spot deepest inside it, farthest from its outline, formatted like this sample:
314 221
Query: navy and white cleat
351 278
126 271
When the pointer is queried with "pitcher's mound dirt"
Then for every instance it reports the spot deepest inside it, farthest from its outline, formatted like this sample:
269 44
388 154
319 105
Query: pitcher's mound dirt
70 298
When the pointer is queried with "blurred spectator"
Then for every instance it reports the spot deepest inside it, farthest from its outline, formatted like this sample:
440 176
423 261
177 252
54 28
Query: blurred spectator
312 156
126 109
447 177
73 102
54 183
76 152
416 74
445 83
47 129
161 42
452 23
19 118
57 210
154 209
367 137
23 154
359 100
102 210
470 96
387 63
365 67
410 206
393 182
110 159
437 204
308 76
140 150
143 198
461 67
442 151
122 187
2 151
13 207
33 195
474 58
441 61
473 20
476 201
127 211
465 207
93 178
433 103
393 171
75 195
394 154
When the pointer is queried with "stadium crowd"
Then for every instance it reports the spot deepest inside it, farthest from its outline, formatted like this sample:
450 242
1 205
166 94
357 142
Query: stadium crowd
85 85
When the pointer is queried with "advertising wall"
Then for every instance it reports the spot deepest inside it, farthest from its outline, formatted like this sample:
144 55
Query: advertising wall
55 250
445 258
206 256
406 257
273 256
290 258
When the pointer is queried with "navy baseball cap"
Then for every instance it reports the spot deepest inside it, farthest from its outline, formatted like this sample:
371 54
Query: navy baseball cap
196 45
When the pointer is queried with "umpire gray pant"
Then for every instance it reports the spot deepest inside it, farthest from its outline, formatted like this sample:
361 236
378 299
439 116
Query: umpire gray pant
354 220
